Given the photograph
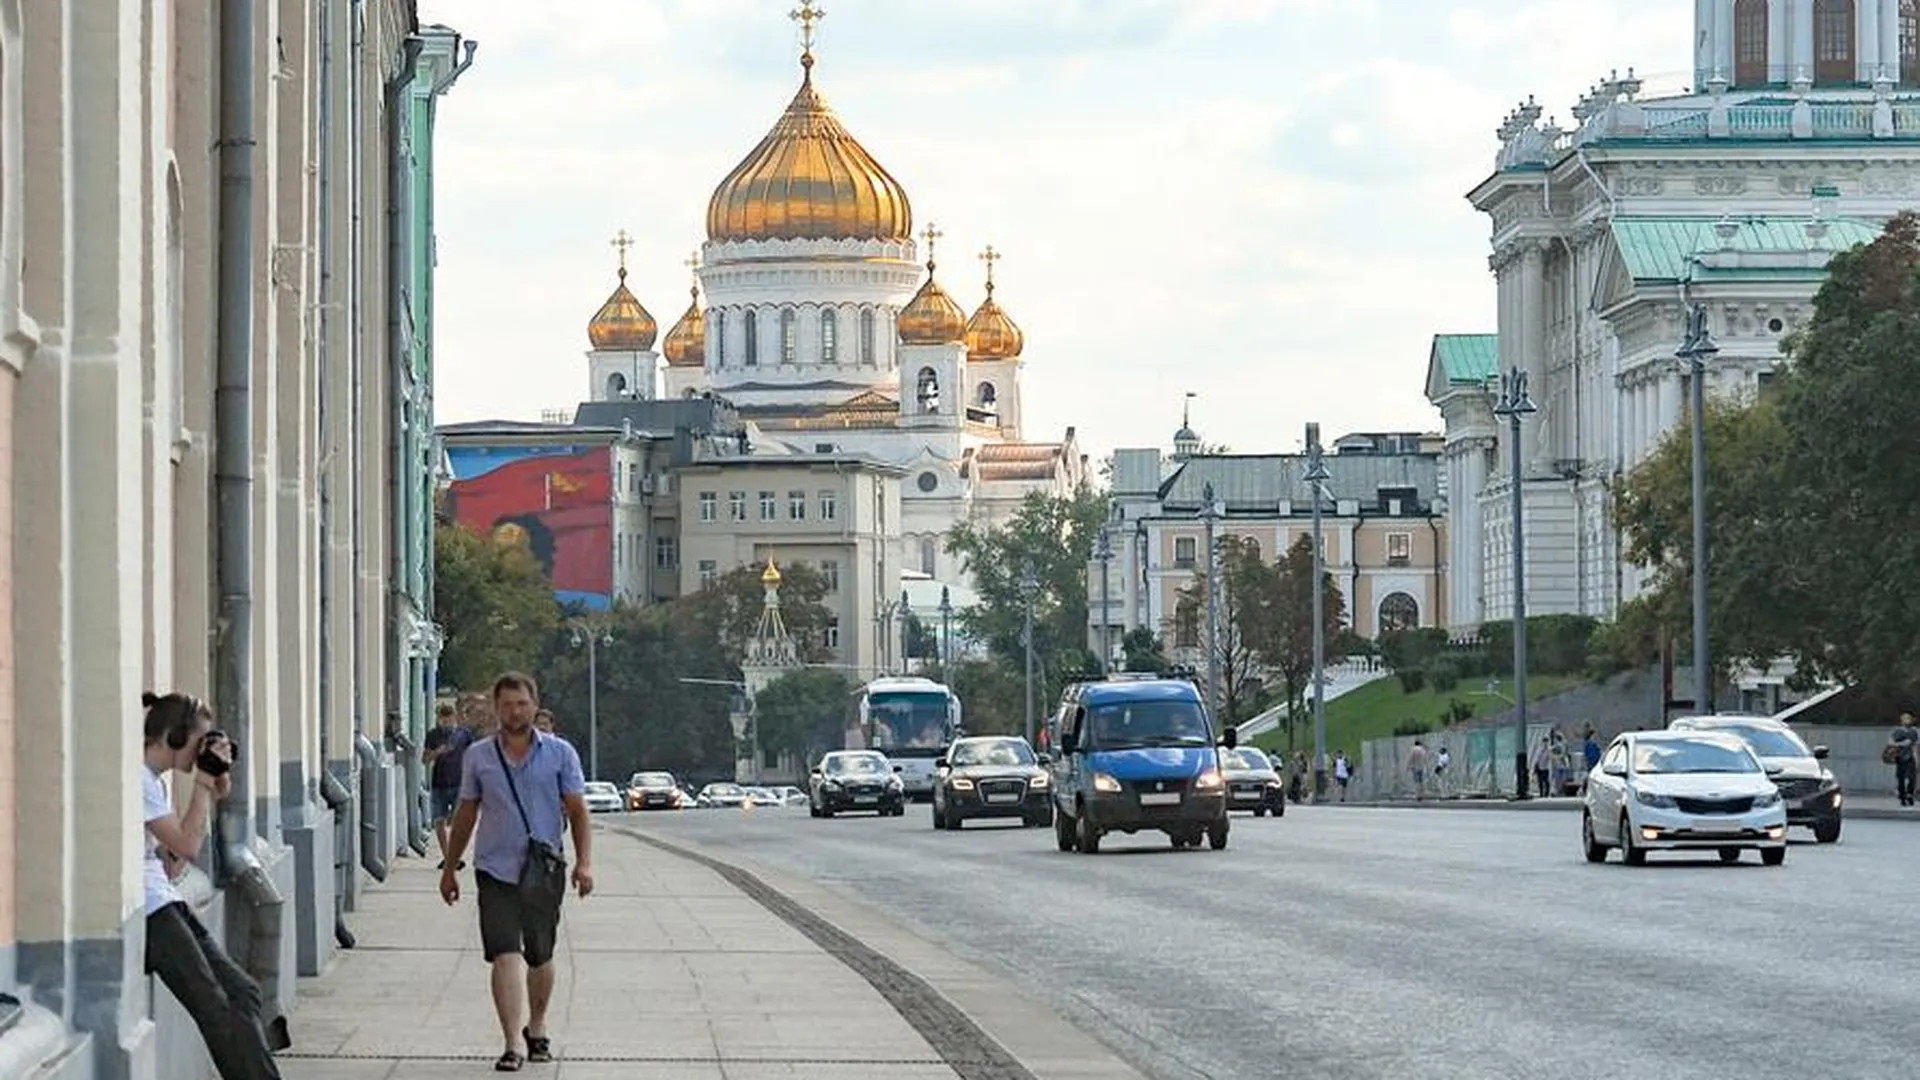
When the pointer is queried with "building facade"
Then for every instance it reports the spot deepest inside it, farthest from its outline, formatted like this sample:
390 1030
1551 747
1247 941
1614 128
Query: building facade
197 465
1800 137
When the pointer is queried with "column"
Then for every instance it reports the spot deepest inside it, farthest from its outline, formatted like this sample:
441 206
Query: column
1468 575
1670 395
1802 38
1866 31
1723 43
1703 54
1889 51
271 278
1779 41
1533 317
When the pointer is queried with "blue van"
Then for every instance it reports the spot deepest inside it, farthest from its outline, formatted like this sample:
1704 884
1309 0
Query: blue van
1137 753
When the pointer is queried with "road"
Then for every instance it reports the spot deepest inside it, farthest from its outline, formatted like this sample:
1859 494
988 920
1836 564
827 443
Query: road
1346 943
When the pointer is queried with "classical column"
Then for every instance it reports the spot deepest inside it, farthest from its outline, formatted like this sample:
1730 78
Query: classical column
1669 397
1801 63
1779 42
1889 51
1866 52
1533 283
1466 577
1723 40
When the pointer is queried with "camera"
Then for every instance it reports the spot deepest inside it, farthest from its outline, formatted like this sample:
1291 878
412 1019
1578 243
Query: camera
210 763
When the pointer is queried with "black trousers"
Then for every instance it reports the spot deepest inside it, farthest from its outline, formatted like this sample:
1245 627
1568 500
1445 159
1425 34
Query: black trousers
1903 774
223 1000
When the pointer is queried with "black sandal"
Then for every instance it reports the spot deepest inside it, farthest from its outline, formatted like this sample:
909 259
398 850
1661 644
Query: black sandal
539 1047
509 1062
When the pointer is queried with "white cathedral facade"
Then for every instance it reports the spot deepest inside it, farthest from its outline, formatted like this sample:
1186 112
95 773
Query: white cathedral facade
1800 138
816 313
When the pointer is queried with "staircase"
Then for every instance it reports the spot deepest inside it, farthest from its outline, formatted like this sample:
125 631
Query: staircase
1342 678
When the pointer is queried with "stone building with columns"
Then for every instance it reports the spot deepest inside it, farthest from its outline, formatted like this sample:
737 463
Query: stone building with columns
203 364
1800 136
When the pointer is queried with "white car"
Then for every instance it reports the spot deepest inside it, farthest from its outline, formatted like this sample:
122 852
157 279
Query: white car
1682 791
603 798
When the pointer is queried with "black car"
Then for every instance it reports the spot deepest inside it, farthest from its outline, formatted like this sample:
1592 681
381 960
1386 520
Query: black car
1813 795
1252 782
653 791
859 780
991 776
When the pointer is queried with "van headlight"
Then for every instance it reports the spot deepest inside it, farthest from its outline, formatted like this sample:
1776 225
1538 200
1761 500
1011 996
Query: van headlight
1207 781
1103 782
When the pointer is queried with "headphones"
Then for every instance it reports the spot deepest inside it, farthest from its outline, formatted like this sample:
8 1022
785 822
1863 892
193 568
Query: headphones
186 710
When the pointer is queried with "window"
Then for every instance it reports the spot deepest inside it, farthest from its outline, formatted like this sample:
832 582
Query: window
767 509
1186 626
867 355
709 506
750 328
619 549
829 337
717 318
1750 43
789 337
666 552
796 506
1399 548
929 391
1183 551
831 633
1398 612
1833 41
829 506
736 506
709 572
830 573
616 386
929 553
989 399
1910 42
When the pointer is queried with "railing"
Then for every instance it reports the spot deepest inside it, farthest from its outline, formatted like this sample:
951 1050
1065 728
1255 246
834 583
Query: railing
1771 118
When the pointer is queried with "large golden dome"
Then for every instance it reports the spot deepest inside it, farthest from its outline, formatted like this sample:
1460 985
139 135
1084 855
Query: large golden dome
686 343
622 324
991 333
809 180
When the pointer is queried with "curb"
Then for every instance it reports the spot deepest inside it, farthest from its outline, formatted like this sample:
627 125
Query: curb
1858 813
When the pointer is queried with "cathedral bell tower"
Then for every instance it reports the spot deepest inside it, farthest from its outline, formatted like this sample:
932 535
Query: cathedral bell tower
622 365
933 354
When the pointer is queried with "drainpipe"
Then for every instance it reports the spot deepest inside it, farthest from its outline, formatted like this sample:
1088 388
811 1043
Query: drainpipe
1442 576
240 871
402 469
373 854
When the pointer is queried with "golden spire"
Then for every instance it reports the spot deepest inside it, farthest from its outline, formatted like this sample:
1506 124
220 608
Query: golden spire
771 575
621 242
686 343
622 324
931 236
807 16
931 317
991 333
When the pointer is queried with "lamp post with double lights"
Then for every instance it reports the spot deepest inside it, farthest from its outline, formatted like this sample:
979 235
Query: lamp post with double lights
1514 406
1696 350
585 632
1029 584
1103 553
1316 479
946 633
1210 513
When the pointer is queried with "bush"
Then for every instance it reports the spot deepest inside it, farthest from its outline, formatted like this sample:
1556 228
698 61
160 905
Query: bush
1442 674
1458 712
1412 680
1411 727
1403 649
1556 644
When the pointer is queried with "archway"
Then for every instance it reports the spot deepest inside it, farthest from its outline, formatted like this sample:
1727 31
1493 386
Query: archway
1398 612
616 386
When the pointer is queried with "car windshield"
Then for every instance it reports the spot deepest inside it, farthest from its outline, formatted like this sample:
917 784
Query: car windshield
1246 758
910 721
601 787
1688 756
652 779
1127 724
723 789
991 752
1770 741
857 765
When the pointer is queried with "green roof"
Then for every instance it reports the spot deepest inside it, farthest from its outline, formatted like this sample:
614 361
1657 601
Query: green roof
1662 249
1468 358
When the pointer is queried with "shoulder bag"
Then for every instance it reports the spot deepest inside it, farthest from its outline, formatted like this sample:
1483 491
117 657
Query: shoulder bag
543 879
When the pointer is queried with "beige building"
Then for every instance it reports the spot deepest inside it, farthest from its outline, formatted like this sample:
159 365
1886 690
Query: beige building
133 283
838 514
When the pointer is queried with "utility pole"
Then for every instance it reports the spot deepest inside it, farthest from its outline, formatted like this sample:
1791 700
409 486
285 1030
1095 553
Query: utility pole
1210 513
585 633
946 633
1316 478
1696 350
1103 551
1514 405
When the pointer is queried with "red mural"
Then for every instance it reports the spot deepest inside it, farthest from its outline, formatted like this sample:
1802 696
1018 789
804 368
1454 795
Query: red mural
559 506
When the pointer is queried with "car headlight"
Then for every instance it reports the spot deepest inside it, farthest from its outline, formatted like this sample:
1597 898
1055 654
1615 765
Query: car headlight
1207 781
1103 782
1648 798
830 785
961 783
1767 798
1039 780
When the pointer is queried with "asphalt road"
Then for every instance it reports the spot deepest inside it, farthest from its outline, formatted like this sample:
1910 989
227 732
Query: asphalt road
1354 943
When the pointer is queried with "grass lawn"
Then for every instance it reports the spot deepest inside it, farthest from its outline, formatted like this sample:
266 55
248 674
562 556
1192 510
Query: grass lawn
1374 710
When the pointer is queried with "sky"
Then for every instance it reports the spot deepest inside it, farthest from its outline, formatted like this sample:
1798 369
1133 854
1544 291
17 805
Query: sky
1258 202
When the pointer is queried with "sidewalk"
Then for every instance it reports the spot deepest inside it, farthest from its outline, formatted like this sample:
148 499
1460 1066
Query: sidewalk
669 970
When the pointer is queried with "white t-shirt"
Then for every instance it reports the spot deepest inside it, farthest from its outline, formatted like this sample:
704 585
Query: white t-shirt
155 805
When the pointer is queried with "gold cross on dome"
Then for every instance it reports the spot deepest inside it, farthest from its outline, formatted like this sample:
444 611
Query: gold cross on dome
931 236
693 261
990 256
621 242
807 16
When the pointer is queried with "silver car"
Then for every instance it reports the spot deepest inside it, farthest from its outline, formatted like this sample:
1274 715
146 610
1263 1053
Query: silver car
1680 791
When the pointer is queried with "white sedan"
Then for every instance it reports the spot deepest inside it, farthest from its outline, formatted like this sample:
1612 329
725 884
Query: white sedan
602 797
1682 791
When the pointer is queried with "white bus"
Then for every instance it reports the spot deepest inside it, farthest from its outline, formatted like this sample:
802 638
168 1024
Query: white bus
911 720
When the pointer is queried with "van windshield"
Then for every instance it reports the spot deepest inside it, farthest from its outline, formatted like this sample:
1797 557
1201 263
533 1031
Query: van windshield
1131 724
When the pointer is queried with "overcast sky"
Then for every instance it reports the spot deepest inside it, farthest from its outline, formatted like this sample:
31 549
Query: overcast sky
1259 201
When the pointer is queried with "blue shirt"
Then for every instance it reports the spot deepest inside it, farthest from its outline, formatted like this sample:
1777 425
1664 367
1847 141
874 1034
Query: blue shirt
550 771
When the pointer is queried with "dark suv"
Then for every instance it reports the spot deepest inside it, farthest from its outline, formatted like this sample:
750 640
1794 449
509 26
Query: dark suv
988 776
1137 753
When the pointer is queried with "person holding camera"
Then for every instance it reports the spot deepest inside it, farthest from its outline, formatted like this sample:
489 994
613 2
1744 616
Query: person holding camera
223 999
519 790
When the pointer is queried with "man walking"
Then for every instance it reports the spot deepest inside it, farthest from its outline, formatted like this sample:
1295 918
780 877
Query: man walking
1904 741
446 748
518 790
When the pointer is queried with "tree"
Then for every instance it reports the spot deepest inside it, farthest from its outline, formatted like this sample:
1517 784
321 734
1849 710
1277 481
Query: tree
1283 632
1245 583
803 713
729 608
493 604
993 697
1144 650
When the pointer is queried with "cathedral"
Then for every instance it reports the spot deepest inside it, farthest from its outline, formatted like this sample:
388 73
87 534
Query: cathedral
817 314
1799 138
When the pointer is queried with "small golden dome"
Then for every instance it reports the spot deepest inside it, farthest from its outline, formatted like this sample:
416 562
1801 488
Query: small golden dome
686 343
809 180
991 333
931 317
622 324
771 575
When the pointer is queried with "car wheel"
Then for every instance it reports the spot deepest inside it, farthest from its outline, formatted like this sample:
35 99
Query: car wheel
1630 852
1086 837
1063 831
1279 808
1216 835
1774 856
939 820
955 820
1729 854
812 810
1259 811
1596 851
1827 832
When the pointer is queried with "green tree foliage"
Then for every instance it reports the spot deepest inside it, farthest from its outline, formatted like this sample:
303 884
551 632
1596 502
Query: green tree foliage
1281 627
492 602
804 713
993 697
1246 592
1144 650
730 607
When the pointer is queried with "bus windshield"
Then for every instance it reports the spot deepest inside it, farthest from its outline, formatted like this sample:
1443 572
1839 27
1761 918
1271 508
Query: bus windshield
909 722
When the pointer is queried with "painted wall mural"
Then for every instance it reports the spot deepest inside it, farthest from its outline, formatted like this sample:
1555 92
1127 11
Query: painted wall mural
557 501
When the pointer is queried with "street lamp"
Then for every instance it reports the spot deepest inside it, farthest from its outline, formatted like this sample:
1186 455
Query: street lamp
1697 349
1316 478
1029 584
1210 513
1515 406
586 633
1103 551
906 633
946 633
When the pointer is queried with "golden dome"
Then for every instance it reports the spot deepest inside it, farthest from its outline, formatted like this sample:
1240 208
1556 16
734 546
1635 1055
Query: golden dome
991 333
771 575
622 324
809 180
686 343
931 317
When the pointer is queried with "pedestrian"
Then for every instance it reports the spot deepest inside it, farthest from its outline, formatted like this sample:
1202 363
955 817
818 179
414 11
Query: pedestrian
1342 772
519 789
543 720
1903 749
1417 768
224 1001
1542 763
1441 759
1590 752
446 748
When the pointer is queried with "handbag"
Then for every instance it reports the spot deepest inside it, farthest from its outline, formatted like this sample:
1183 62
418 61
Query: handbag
1890 754
543 878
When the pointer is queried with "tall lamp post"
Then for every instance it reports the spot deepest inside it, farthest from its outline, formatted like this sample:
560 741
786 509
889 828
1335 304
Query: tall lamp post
1696 350
906 633
1210 513
1514 405
1316 478
586 633
1029 584
1103 552
946 633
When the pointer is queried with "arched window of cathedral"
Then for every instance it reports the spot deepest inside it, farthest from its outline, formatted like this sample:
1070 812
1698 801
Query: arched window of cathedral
1910 42
1398 612
989 398
929 553
789 336
717 318
616 386
829 337
750 327
1833 41
867 355
929 391
1750 43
